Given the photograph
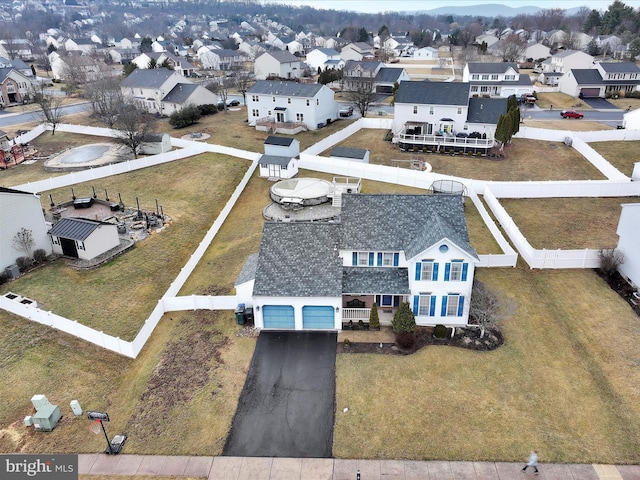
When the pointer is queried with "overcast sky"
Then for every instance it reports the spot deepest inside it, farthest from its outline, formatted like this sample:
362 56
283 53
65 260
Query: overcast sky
375 6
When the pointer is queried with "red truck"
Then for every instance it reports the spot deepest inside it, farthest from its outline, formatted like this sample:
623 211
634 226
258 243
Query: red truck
527 99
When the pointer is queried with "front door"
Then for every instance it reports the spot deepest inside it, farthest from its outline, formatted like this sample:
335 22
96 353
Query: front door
279 117
274 171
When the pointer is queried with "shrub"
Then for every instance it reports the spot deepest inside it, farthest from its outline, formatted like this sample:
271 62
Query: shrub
403 320
610 260
189 115
440 331
3 278
24 263
39 255
374 319
360 324
346 342
208 109
406 340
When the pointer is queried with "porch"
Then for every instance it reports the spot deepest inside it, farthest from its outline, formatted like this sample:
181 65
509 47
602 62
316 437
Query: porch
385 314
272 126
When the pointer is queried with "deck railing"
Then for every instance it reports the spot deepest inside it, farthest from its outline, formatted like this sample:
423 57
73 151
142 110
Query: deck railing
445 140
355 314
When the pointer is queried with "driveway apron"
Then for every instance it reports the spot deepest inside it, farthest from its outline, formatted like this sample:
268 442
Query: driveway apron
287 405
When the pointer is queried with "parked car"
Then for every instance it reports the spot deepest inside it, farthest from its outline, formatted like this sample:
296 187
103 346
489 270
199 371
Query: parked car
570 114
233 103
527 99
346 111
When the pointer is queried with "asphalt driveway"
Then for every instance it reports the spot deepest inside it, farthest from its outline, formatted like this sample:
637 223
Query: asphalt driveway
287 405
599 103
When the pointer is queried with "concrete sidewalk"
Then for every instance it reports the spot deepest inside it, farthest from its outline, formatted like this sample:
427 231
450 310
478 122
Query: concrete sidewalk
258 468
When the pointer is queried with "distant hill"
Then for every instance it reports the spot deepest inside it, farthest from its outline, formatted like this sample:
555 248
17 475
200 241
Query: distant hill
488 10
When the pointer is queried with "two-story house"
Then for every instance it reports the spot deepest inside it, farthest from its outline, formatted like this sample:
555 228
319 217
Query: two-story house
440 117
565 60
496 80
357 51
277 64
14 87
607 78
290 107
319 275
324 58
164 91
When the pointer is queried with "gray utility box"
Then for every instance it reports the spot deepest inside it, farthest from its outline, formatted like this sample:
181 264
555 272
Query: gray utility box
12 271
46 418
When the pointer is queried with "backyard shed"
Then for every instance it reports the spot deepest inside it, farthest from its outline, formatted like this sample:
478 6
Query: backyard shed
155 143
276 166
353 154
83 238
282 146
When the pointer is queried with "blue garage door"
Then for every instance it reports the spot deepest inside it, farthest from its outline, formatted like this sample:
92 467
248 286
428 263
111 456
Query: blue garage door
318 317
278 316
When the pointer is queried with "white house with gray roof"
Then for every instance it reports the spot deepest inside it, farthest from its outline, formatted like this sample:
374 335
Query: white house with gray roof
277 63
164 91
321 275
290 107
607 78
496 80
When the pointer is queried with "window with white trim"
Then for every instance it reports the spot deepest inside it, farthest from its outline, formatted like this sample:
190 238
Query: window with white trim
300 117
363 258
485 77
509 77
426 270
387 259
474 88
415 109
307 102
424 304
255 98
452 305
494 76
288 100
255 112
475 76
431 110
456 271
459 110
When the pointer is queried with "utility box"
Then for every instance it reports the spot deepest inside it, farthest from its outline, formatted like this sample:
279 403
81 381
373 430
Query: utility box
12 271
239 313
75 408
28 421
39 401
46 418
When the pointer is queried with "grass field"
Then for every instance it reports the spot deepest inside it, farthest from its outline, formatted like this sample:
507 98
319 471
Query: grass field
525 160
618 154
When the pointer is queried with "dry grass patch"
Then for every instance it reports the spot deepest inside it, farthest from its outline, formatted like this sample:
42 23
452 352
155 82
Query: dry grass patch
525 160
619 154
562 383
128 288
567 223
568 124
560 101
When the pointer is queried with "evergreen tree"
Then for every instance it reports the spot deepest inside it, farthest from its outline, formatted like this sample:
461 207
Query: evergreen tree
403 320
374 320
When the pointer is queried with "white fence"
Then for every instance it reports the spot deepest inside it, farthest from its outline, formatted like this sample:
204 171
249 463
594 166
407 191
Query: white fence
566 189
199 302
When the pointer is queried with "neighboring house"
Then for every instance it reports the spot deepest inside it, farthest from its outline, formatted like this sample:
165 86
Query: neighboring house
277 64
163 91
357 51
76 66
220 59
20 210
122 56
84 45
536 51
319 275
387 77
628 233
323 59
348 153
607 78
426 53
496 79
566 60
83 238
487 38
398 46
440 116
146 60
18 65
14 87
178 64
290 107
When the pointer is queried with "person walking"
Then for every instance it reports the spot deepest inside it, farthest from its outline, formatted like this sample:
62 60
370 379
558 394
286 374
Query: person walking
532 462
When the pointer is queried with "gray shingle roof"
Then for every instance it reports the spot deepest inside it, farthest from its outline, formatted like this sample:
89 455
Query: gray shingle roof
619 67
248 271
274 160
348 152
180 93
587 76
409 223
433 93
299 260
282 56
388 75
75 228
280 141
147 78
375 280
486 110
288 89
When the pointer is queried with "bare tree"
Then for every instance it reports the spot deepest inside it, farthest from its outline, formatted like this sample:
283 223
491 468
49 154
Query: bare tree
361 93
610 260
511 48
133 125
243 80
51 106
23 241
221 86
486 308
10 44
106 98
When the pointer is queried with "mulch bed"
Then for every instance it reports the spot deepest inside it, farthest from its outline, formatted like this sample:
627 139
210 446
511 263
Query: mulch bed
619 285
468 338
